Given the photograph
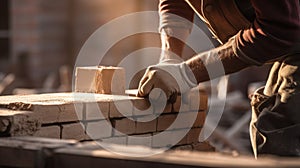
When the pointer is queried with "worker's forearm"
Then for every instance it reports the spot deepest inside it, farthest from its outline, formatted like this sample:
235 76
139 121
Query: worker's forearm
215 63
173 42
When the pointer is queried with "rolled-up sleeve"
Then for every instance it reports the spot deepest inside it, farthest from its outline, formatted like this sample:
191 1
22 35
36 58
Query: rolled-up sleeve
274 33
175 13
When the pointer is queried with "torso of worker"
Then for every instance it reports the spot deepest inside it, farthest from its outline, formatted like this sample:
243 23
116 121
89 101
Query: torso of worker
265 30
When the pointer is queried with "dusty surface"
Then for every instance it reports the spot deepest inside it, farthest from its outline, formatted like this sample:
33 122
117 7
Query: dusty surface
58 153
63 98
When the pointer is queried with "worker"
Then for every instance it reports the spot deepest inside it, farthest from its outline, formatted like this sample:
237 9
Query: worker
251 33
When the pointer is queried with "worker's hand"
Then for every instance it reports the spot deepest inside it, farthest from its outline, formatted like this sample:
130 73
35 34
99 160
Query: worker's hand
170 79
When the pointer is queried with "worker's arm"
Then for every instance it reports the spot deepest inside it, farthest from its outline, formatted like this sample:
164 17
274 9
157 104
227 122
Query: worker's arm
273 34
176 21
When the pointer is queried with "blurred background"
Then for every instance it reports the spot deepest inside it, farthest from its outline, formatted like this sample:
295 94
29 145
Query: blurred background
40 40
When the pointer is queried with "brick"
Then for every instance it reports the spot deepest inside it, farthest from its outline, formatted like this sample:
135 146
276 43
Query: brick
146 124
56 113
199 122
99 129
102 80
96 111
78 107
167 108
142 140
73 131
203 146
164 121
70 112
195 100
193 135
116 140
47 114
142 107
183 120
120 108
183 140
202 98
48 132
181 105
17 123
170 138
124 126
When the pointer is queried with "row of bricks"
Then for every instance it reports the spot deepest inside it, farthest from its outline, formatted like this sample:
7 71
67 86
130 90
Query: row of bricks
104 108
22 123
166 138
127 126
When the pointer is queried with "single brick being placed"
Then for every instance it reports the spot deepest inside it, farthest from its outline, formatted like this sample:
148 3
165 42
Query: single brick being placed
102 80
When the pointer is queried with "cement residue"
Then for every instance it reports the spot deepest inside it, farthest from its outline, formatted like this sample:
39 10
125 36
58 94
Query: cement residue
20 106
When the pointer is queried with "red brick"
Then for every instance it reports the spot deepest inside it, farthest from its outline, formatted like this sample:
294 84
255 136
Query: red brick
181 105
48 132
194 100
96 111
170 138
199 122
183 120
124 126
193 135
143 140
73 131
120 108
165 109
165 121
202 98
142 107
146 127
56 113
98 130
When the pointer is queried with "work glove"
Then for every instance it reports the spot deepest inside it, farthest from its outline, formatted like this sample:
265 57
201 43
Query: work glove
170 79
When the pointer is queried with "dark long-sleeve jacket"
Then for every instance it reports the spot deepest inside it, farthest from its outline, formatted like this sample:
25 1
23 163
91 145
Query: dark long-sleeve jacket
265 30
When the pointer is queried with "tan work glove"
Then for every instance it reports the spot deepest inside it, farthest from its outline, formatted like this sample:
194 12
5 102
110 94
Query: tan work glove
171 78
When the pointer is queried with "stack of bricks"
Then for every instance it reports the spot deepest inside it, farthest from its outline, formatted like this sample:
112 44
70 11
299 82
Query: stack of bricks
120 119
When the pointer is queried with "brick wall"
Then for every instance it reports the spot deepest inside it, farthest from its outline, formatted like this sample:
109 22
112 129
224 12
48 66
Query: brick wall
77 116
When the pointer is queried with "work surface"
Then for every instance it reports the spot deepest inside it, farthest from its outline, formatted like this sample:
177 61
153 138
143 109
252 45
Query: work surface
43 152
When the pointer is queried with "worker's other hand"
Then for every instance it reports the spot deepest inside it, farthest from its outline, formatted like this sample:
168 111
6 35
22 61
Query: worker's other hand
169 80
